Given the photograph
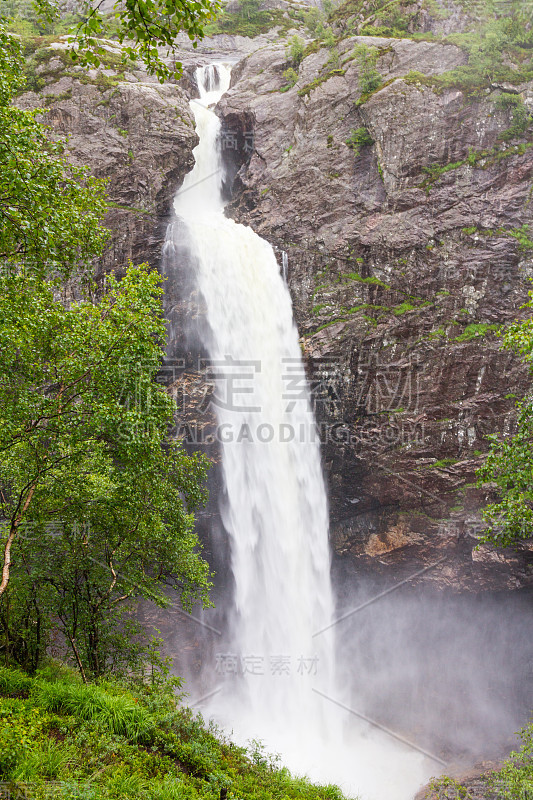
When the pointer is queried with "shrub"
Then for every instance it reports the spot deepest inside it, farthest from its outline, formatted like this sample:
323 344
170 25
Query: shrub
522 237
296 49
329 38
359 138
118 713
513 781
334 58
291 76
19 728
520 116
508 100
369 78
314 21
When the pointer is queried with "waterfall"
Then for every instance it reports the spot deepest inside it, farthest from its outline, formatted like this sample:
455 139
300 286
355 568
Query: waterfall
284 265
274 507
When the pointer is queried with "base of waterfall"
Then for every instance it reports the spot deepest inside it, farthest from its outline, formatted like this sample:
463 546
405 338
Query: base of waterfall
326 747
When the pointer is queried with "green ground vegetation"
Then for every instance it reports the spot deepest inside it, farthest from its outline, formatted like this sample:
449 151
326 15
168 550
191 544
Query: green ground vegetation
114 741
140 26
478 159
497 39
476 331
499 50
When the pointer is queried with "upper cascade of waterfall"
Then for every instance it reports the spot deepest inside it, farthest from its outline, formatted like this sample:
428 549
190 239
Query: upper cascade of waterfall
213 81
201 192
209 79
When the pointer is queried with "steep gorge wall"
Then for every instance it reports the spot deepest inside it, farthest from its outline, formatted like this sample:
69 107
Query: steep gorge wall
398 268
399 271
130 131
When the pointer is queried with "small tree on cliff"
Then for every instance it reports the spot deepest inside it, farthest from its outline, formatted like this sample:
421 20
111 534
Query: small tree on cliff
49 210
249 7
509 464
296 50
369 78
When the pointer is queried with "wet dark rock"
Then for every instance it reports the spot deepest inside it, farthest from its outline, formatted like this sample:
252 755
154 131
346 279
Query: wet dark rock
400 261
397 268
133 132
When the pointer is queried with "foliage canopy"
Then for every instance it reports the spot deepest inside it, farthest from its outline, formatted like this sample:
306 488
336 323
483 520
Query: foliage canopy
49 210
145 28
509 464
96 500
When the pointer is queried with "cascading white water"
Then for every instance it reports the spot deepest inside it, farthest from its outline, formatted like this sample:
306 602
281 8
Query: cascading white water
275 508
285 265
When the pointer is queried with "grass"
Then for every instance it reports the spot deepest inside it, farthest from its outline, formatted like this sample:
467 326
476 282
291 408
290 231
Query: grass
14 683
479 159
308 88
344 313
115 742
117 713
442 464
371 279
49 99
437 333
327 325
250 23
403 308
521 235
476 331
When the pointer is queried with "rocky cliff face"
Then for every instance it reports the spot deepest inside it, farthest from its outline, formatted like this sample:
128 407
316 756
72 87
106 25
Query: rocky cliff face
133 132
400 211
403 258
